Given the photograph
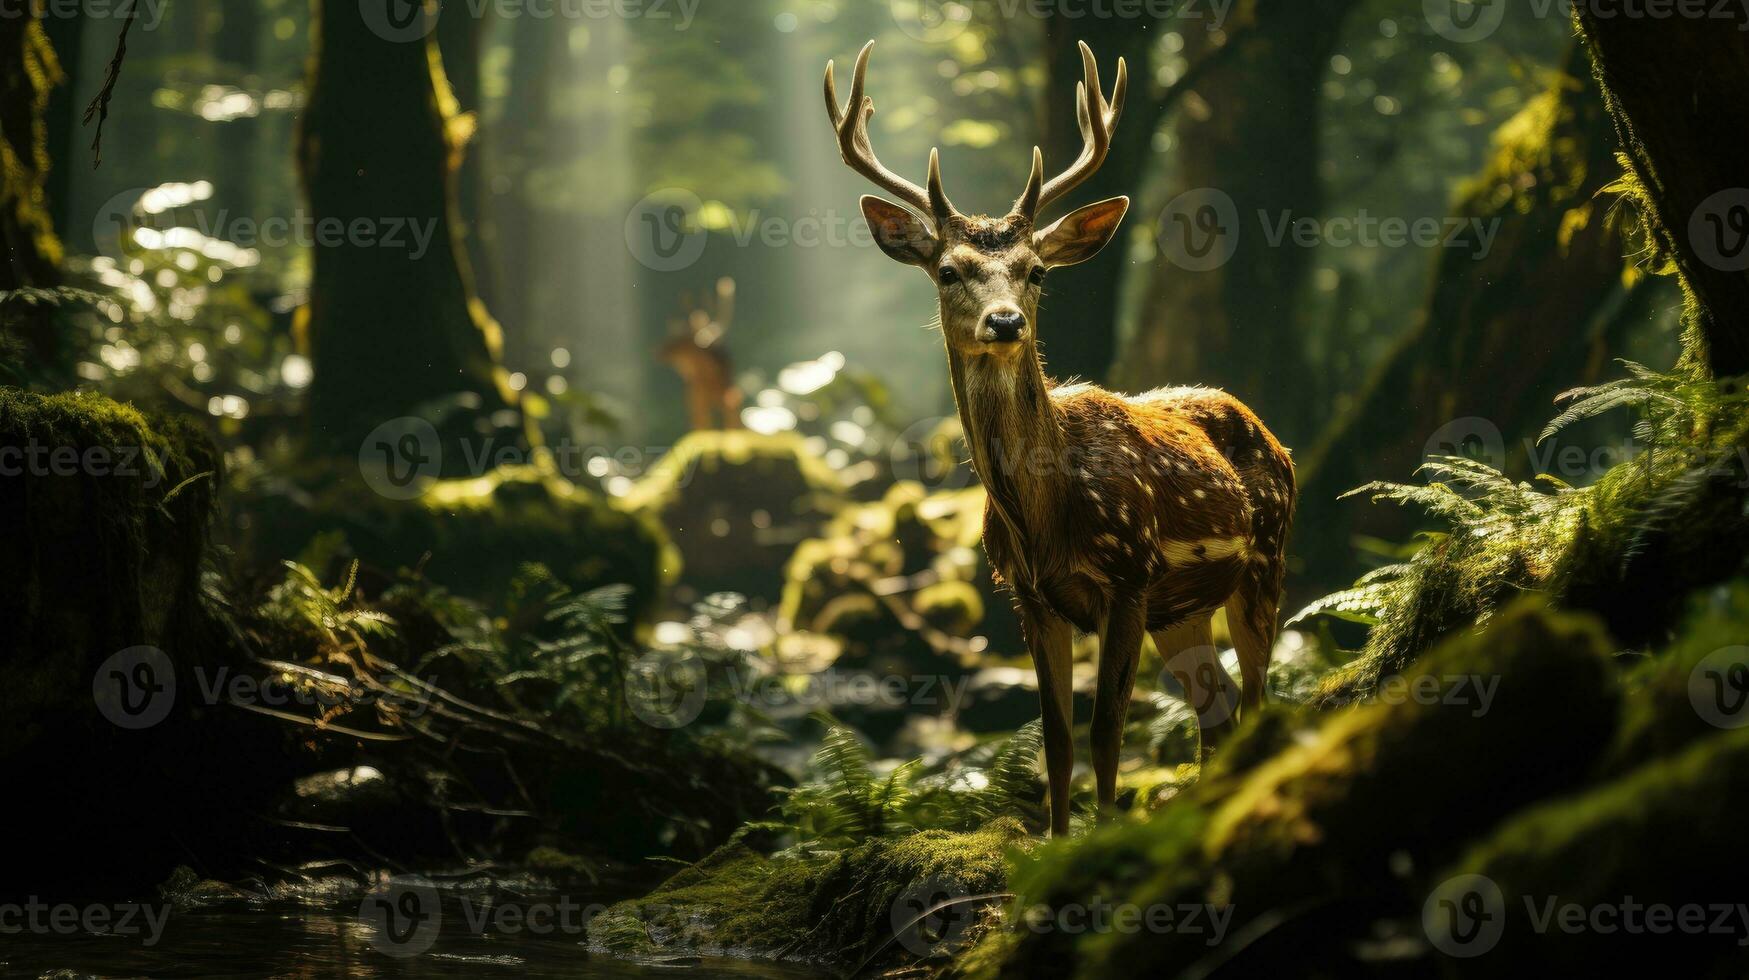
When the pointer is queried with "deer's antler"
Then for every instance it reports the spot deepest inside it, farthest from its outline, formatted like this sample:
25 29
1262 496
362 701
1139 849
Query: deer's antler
1098 119
851 123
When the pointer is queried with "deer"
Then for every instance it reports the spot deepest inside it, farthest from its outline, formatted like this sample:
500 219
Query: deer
1109 514
697 353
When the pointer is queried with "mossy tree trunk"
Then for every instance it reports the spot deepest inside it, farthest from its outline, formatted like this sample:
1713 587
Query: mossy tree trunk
1674 86
1499 336
28 72
1084 323
393 326
1249 129
461 40
64 116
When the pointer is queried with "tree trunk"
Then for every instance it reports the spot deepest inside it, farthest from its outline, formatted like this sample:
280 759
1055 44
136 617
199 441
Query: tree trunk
1084 324
1674 86
393 327
461 39
1247 144
28 71
65 135
238 35
1500 335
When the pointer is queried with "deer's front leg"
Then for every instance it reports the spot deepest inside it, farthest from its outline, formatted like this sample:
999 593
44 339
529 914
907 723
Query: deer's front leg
1120 648
1052 643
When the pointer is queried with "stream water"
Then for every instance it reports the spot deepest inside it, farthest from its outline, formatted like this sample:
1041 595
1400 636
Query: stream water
327 940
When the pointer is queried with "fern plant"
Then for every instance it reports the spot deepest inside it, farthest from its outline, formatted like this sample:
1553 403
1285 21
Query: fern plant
341 627
845 802
1504 536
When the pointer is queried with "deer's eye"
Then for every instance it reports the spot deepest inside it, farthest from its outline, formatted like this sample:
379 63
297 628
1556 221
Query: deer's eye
1037 277
948 275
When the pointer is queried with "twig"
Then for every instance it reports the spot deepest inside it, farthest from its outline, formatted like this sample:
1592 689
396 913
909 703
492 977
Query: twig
99 107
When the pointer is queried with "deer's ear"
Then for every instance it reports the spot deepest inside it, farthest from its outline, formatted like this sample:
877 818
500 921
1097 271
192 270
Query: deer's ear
899 233
1079 236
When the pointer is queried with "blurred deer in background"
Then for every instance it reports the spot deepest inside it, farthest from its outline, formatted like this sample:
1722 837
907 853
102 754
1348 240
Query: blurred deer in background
1106 513
700 357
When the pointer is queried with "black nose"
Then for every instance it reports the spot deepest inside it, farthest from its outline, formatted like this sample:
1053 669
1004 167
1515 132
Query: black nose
1005 326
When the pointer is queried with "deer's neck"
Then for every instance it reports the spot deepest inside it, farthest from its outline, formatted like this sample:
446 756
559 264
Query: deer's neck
1016 440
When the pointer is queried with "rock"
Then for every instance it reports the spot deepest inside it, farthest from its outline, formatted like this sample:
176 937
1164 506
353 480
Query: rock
472 535
736 504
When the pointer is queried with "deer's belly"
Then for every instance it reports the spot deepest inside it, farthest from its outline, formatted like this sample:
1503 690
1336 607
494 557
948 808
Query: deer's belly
1189 591
1077 598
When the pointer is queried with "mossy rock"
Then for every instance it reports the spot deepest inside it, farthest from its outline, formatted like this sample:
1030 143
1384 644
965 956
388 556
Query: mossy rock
1667 835
736 504
1660 715
471 535
1306 846
847 909
911 569
107 515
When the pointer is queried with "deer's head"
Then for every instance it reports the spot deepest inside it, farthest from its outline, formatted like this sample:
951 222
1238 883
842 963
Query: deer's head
988 271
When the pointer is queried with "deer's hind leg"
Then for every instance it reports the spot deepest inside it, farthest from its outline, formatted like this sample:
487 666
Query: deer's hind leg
1188 650
1251 618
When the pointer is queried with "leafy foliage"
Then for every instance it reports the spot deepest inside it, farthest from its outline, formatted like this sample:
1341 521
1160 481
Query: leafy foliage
1586 542
847 803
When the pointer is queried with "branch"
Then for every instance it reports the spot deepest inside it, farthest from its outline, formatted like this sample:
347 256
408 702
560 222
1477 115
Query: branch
99 107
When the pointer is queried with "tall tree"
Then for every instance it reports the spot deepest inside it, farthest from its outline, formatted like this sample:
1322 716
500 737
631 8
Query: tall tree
1247 133
461 39
392 324
67 36
1674 87
1500 335
1084 332
28 71
235 47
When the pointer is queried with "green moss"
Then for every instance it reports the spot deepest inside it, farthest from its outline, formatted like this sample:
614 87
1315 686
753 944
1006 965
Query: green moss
471 535
1659 715
735 503
839 910
911 567
1631 548
107 515
1323 822
1669 833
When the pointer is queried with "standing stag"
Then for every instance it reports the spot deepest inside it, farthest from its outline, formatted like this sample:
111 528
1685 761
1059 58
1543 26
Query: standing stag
1114 514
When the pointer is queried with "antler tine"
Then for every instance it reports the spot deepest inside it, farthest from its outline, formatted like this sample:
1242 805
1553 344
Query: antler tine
851 123
1098 120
